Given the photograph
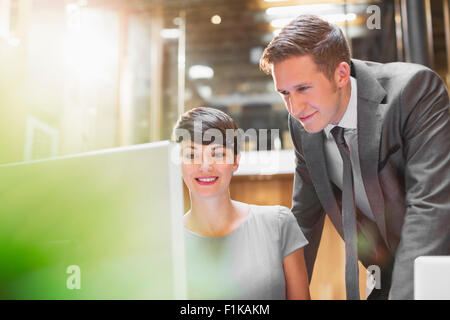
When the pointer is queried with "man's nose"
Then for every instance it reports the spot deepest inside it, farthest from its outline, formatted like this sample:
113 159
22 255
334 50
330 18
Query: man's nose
297 105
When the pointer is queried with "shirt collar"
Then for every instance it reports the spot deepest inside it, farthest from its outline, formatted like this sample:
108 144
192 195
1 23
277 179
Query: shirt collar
349 119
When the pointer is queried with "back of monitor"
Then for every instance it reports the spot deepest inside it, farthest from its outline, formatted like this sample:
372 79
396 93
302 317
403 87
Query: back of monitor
100 225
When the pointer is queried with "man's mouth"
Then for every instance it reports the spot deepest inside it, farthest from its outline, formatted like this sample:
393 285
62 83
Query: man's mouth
303 119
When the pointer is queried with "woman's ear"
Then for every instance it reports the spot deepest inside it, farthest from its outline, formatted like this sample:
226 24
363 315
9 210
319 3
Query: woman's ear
237 158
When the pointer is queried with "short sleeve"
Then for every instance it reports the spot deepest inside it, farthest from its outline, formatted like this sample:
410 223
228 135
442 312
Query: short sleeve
291 236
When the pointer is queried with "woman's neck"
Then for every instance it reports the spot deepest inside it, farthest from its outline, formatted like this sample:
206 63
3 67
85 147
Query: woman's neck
215 216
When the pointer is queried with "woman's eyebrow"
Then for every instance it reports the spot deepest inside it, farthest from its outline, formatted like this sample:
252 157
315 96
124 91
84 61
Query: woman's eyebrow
195 148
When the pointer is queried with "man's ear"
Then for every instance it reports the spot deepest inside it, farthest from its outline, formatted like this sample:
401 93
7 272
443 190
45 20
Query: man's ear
342 74
237 158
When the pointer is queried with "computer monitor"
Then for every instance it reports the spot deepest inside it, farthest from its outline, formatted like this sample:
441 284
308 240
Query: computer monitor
99 225
432 278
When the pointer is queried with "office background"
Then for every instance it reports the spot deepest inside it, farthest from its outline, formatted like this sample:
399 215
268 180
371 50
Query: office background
78 76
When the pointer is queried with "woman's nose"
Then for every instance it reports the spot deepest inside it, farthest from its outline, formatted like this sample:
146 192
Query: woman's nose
207 163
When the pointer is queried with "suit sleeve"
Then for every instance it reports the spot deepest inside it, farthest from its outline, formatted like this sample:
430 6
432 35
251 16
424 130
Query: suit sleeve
426 136
306 206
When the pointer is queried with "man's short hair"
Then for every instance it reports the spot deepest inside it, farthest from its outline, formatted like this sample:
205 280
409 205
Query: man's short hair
308 35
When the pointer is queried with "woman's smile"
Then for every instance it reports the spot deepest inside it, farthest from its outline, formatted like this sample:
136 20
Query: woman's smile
207 181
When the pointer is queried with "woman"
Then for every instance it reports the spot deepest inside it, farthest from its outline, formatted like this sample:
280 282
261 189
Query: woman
234 250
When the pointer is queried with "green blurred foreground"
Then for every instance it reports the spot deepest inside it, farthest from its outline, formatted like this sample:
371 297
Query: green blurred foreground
87 229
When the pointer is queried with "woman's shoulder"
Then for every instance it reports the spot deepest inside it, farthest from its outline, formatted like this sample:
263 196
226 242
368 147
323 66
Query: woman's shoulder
271 213
270 209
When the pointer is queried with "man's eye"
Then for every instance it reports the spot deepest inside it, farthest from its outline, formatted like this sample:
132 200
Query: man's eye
302 88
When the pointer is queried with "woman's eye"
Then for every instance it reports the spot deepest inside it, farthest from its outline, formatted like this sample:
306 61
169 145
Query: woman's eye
219 155
189 156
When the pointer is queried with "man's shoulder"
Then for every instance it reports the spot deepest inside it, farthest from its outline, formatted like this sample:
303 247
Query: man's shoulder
398 72
402 84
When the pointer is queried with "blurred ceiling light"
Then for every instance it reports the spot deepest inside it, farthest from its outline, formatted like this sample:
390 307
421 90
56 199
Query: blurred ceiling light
302 9
177 21
339 17
73 13
13 41
71 7
216 19
205 92
280 23
201 72
170 33
90 48
255 54
332 18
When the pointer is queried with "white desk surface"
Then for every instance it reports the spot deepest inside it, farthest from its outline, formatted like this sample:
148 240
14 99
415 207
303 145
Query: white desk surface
266 162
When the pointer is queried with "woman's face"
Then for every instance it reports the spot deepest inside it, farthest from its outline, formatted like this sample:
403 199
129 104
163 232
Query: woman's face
207 169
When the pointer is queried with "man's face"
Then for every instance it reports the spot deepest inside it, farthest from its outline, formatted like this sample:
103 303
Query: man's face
310 97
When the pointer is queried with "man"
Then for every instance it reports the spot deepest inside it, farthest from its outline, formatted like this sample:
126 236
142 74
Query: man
372 151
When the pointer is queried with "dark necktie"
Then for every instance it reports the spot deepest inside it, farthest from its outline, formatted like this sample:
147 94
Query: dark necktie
348 218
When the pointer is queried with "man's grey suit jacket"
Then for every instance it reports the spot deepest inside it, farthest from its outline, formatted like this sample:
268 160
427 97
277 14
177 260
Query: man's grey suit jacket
404 149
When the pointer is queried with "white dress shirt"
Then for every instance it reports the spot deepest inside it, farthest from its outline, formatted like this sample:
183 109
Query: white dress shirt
333 157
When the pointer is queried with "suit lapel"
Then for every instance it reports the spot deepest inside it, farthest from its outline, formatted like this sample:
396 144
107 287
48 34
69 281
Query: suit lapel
370 116
313 149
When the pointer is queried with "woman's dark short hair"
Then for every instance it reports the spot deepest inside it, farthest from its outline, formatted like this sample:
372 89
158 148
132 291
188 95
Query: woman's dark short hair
207 125
308 35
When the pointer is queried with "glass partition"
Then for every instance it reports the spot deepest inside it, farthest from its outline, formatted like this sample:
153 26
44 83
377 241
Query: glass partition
100 74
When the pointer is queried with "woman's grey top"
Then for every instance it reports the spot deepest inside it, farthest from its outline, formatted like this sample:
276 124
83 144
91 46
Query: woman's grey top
247 263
